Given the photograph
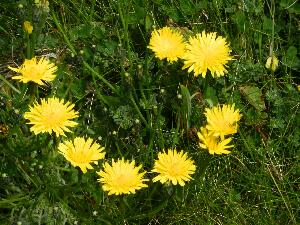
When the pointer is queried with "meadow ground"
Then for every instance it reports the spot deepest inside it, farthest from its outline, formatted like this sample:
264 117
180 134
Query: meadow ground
120 62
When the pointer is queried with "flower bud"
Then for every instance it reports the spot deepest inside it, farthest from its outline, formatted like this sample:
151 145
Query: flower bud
28 27
272 63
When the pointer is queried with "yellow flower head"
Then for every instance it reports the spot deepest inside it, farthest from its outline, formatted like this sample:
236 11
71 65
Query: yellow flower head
122 177
298 87
51 115
36 71
213 144
272 63
207 52
173 167
28 27
81 152
167 43
223 120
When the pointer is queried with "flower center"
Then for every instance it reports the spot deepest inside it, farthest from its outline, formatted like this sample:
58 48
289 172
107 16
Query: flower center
166 45
122 179
53 117
174 169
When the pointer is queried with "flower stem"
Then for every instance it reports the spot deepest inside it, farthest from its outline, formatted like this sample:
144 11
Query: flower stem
138 110
63 33
204 165
28 50
100 77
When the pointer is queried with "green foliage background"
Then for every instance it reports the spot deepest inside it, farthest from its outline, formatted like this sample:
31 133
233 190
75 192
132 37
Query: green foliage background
139 113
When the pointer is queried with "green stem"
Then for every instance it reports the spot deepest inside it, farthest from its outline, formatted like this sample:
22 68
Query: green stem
63 33
33 92
9 84
272 40
204 164
100 77
125 26
92 10
28 49
138 110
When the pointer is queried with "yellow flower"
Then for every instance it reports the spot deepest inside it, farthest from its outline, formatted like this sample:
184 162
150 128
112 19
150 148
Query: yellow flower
51 115
212 143
272 63
28 27
173 167
222 120
122 177
298 87
36 71
167 43
81 152
207 52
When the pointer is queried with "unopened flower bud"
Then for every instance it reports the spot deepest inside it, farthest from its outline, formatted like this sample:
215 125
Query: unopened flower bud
272 63
28 27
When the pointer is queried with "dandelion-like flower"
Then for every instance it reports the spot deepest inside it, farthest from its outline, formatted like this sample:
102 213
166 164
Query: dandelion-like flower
28 27
223 120
205 52
272 63
81 152
212 143
167 43
35 71
173 167
51 115
122 177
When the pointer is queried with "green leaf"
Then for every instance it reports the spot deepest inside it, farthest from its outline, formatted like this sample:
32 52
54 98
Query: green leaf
152 212
81 31
291 59
254 96
210 96
186 106
267 25
241 21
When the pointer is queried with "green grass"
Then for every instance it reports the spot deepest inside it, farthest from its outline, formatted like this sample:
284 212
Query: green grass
128 101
